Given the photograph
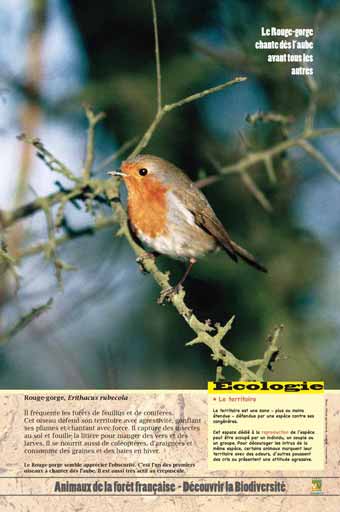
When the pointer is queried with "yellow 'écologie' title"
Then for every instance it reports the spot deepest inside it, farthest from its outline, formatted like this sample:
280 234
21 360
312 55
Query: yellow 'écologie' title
266 387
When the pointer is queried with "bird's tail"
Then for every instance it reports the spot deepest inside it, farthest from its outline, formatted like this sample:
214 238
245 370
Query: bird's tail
246 256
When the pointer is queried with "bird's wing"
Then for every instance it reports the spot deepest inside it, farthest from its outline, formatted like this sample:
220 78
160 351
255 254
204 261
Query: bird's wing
208 221
205 217
133 234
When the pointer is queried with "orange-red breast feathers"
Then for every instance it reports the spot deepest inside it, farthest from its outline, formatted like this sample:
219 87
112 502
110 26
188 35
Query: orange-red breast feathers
147 203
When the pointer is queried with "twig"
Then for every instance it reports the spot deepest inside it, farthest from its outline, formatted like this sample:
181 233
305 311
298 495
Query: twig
269 117
256 192
206 92
100 223
50 250
312 86
93 119
312 104
11 217
24 321
7 262
51 162
271 354
157 57
268 162
248 182
117 154
314 153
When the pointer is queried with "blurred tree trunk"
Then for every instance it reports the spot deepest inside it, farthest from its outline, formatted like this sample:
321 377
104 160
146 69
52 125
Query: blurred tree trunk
31 112
30 118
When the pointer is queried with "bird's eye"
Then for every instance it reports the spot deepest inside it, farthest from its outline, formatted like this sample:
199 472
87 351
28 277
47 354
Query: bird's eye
143 172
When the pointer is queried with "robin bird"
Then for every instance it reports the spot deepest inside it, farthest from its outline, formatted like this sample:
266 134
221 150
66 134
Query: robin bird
168 214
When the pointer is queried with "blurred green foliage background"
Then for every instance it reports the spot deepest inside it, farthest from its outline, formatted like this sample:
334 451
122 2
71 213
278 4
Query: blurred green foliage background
105 329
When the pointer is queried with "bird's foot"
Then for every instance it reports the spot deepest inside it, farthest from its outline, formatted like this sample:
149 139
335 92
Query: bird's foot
167 294
142 259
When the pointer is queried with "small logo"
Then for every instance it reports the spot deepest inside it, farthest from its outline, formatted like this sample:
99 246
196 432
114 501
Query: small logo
317 486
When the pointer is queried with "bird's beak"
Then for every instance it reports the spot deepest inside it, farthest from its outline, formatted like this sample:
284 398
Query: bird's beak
118 172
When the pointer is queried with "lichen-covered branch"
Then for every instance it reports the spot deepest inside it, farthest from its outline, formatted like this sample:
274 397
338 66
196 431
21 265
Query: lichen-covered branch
51 161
